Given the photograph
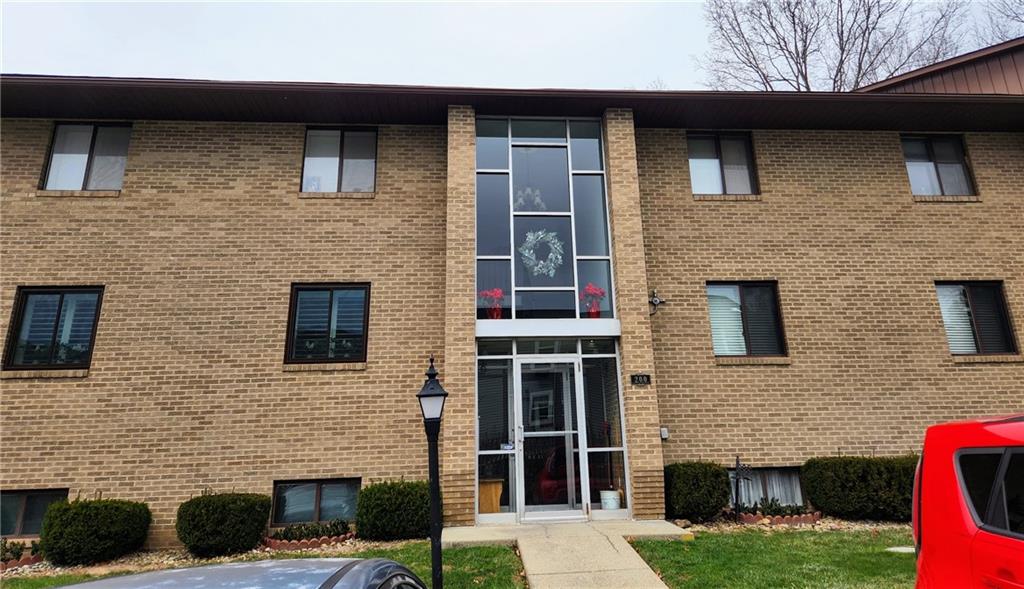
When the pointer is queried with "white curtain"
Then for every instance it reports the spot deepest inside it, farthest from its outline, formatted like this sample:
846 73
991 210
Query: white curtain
782 484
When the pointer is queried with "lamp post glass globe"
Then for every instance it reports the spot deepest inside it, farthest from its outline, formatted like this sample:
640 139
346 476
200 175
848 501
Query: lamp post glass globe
432 395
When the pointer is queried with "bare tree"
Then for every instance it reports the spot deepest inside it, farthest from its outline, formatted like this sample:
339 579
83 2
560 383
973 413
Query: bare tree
835 45
656 84
1003 20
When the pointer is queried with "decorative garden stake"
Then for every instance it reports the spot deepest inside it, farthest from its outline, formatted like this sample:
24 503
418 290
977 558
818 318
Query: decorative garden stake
591 298
431 398
495 296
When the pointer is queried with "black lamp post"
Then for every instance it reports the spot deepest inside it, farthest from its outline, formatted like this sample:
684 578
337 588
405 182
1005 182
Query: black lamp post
431 398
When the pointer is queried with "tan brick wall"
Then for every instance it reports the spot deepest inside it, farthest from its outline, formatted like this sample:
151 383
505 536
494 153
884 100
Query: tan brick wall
636 345
856 259
187 388
458 435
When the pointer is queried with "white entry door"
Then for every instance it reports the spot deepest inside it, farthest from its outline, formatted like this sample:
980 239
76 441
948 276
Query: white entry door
551 439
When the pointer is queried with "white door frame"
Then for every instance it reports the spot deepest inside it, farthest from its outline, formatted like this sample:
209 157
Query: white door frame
579 456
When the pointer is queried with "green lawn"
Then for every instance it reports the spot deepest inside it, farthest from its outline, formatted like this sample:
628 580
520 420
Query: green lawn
783 559
485 567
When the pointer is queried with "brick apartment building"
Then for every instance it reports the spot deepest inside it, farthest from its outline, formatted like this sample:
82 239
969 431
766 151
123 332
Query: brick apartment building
236 286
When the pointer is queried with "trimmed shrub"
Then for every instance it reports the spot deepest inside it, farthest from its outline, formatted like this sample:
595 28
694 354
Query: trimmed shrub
331 529
393 511
696 491
855 487
225 523
91 531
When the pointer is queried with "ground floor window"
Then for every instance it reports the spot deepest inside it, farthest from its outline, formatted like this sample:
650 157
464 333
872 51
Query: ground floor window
550 437
762 485
23 511
315 501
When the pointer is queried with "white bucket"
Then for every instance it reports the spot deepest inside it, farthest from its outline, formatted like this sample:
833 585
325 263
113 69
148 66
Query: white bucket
610 499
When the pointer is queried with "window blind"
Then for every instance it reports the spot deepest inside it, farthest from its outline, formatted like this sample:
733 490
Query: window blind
74 331
762 315
329 324
726 320
311 324
36 335
735 166
990 319
347 324
956 315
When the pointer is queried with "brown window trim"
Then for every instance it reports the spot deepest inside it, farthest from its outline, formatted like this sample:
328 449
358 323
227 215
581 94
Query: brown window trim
328 286
24 494
1001 289
17 315
316 496
89 158
968 168
341 156
755 183
743 316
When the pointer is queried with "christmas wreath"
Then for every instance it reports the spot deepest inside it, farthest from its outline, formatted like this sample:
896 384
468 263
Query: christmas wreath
528 250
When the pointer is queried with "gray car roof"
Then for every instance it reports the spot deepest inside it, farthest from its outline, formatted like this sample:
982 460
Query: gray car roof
299 573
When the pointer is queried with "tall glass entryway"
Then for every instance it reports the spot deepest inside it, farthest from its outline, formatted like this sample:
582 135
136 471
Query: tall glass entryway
549 431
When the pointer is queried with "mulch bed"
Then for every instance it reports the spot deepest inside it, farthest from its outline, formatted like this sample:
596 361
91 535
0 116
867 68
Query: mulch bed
820 524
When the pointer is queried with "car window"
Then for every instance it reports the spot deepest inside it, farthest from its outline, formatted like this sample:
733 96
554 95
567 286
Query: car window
1009 509
978 472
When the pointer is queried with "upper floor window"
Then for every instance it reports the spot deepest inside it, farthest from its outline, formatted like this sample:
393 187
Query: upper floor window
23 511
542 240
88 157
315 501
327 323
721 163
745 319
53 327
339 160
976 318
936 165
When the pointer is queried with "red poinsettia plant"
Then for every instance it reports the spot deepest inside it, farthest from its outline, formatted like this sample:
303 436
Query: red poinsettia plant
591 297
494 296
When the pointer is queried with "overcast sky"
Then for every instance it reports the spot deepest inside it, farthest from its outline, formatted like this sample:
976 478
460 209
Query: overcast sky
566 45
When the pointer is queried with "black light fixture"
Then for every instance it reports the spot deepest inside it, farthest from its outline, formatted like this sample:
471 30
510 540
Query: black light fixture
431 397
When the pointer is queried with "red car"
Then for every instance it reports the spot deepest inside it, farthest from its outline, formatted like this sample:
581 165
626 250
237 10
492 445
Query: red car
969 505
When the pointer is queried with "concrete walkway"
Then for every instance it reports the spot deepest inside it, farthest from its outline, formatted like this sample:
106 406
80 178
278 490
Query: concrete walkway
590 555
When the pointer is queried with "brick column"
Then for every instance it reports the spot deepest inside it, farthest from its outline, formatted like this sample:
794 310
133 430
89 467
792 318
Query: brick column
641 402
459 369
